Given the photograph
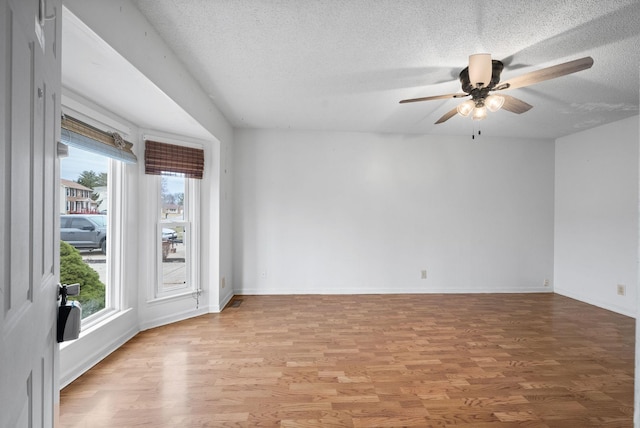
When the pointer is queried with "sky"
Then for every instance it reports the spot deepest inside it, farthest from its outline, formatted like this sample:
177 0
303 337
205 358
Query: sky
79 160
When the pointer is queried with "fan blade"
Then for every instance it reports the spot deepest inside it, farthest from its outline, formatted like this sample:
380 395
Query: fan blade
547 73
436 97
515 105
448 115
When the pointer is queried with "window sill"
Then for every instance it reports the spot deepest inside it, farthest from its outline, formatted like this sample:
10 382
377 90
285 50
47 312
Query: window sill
98 318
97 324
177 296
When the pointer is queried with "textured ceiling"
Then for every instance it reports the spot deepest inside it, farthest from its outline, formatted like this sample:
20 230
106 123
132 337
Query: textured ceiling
343 65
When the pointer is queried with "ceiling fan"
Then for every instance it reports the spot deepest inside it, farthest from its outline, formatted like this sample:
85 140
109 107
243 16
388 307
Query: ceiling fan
481 79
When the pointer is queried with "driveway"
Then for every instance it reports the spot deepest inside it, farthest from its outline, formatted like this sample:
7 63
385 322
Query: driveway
173 268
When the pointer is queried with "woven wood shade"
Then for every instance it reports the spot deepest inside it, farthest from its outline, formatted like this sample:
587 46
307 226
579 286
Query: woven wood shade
86 137
169 159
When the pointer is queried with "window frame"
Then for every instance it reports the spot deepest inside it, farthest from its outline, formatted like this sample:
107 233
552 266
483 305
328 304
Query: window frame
191 219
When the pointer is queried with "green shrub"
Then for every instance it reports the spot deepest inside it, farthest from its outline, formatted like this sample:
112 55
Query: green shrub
73 270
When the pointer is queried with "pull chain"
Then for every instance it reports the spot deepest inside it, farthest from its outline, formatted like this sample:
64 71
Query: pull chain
473 134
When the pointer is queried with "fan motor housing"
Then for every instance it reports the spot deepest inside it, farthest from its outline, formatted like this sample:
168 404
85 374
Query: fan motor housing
497 67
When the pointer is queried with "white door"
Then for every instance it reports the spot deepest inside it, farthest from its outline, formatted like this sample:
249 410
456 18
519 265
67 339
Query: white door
29 125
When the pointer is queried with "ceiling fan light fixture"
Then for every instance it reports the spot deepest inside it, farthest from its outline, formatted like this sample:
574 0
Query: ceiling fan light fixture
494 102
480 69
466 108
481 79
479 113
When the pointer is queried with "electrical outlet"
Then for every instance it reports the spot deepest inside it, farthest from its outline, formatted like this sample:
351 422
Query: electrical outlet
423 274
622 290
546 283
222 282
263 274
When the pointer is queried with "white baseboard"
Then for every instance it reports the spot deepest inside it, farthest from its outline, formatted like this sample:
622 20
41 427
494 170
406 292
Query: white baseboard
354 290
601 304
224 301
171 318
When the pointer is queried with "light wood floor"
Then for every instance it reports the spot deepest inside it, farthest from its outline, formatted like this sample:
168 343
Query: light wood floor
534 360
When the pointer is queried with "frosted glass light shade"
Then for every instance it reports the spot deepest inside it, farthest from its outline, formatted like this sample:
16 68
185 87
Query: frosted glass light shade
479 113
465 108
480 69
494 102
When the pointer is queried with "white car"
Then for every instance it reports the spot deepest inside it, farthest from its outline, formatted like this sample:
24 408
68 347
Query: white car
169 234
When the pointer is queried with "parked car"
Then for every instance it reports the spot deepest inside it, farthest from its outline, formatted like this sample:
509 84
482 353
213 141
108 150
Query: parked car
169 234
169 238
84 231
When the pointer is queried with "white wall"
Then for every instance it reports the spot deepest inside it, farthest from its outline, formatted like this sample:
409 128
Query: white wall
225 228
636 413
596 215
365 213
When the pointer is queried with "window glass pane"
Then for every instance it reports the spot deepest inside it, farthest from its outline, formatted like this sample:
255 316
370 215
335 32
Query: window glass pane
172 197
174 256
173 233
83 227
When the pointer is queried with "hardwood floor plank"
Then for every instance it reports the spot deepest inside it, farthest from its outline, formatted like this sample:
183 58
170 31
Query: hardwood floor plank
482 361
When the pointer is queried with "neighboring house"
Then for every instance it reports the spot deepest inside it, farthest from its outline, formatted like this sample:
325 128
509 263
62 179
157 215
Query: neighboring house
77 198
102 200
172 211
